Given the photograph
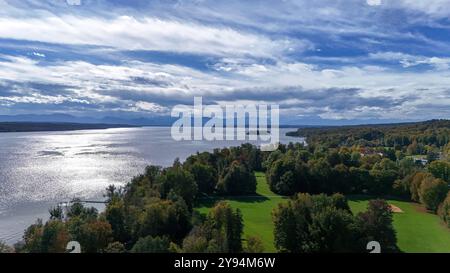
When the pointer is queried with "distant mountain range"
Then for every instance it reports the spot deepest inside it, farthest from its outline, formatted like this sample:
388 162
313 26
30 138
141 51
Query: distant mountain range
53 126
65 118
138 121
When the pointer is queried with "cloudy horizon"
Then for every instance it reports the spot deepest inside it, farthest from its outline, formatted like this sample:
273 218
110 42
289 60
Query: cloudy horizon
327 62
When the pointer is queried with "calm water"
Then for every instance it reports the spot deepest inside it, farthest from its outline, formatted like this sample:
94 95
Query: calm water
38 170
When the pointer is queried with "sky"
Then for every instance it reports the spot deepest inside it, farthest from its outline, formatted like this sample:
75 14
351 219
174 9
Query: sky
322 62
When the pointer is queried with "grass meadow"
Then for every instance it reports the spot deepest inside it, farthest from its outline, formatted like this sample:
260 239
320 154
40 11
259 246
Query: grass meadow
417 230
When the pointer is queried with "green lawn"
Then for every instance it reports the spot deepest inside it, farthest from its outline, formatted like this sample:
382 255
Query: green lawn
417 230
256 211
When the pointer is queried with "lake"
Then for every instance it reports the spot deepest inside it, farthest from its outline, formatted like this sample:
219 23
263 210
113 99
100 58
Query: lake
40 169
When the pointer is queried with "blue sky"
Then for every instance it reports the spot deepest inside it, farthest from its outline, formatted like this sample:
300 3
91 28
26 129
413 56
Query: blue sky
323 62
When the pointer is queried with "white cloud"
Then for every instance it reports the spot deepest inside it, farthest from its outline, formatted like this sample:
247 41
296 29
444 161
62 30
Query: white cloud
150 107
146 87
407 60
147 33
374 2
437 8
37 54
73 2
240 33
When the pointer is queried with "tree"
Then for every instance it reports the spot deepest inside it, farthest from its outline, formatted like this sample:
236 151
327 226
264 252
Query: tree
287 175
274 156
334 158
320 173
274 172
385 164
54 237
164 218
316 223
4 248
56 213
254 245
382 181
287 183
332 230
433 192
390 154
237 180
33 237
95 236
226 227
140 191
376 225
286 223
440 169
77 209
416 183
406 167
116 215
151 244
402 187
341 182
444 210
180 182
205 176
152 172
359 179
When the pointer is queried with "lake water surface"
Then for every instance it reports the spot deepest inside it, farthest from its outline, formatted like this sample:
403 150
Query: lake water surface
40 169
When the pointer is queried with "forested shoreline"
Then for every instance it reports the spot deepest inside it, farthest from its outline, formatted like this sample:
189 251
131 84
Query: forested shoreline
7 127
156 211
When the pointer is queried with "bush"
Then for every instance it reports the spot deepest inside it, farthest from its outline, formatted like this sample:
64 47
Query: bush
195 244
151 244
116 247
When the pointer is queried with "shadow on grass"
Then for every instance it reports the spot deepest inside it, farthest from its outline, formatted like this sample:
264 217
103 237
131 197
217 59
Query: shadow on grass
210 201
362 197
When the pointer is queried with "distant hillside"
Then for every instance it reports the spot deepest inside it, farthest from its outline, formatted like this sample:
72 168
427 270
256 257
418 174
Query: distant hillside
53 126
432 132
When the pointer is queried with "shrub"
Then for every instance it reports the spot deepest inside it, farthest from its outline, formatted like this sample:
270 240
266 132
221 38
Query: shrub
151 244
